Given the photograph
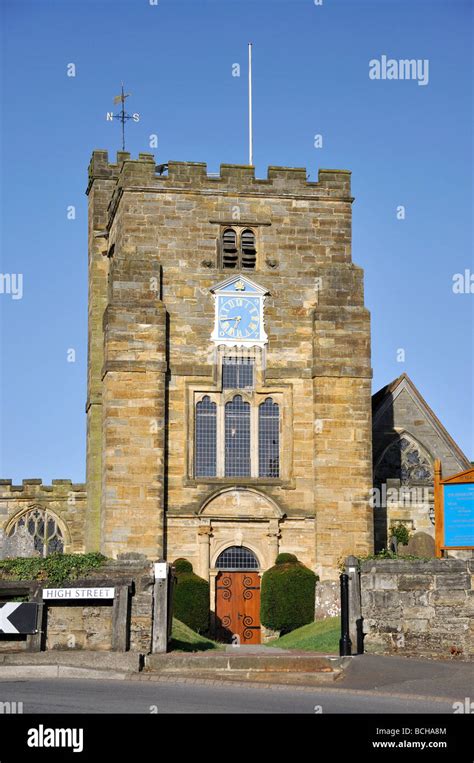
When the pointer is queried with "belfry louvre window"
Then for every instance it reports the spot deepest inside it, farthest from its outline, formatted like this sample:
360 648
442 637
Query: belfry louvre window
206 430
238 252
237 372
230 255
248 250
268 439
237 438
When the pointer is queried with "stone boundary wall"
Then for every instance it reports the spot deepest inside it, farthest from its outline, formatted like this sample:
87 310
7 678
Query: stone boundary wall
87 625
416 607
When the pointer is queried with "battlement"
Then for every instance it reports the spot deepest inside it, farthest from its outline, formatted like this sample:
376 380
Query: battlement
34 486
144 173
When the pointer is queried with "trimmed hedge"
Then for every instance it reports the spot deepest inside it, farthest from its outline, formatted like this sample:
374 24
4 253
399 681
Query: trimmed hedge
54 569
287 595
191 597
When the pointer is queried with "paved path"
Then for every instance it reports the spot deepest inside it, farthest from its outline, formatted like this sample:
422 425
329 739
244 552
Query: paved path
402 675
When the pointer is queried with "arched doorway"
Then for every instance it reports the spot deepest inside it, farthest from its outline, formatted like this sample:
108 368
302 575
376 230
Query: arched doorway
238 596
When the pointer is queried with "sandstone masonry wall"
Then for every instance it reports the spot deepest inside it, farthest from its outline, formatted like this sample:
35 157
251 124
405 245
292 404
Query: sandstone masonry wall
419 607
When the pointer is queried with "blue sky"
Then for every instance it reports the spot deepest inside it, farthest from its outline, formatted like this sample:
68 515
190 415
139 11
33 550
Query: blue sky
406 144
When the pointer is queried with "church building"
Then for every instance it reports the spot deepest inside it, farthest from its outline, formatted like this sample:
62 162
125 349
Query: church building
229 410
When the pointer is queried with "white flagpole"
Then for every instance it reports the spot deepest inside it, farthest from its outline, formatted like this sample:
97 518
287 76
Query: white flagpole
250 106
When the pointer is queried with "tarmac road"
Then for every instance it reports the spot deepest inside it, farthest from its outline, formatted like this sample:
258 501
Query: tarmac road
371 684
101 696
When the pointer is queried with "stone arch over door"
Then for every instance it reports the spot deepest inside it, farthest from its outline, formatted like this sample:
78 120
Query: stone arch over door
240 502
238 517
242 517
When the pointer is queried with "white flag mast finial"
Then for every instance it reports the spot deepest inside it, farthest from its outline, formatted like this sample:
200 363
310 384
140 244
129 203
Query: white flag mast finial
250 106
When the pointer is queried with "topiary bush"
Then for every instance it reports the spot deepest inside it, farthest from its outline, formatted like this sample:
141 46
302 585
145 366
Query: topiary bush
286 559
182 565
287 595
191 597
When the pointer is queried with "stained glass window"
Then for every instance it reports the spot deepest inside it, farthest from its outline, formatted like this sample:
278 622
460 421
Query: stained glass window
405 460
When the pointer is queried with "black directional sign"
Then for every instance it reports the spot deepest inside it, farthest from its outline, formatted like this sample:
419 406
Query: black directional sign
16 617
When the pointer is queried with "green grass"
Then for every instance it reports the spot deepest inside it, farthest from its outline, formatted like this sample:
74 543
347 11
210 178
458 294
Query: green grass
184 639
320 636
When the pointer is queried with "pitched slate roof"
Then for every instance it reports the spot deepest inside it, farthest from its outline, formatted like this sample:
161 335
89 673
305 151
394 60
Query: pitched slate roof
381 398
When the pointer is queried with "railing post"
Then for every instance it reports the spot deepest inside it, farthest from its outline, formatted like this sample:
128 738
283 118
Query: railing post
345 641
355 608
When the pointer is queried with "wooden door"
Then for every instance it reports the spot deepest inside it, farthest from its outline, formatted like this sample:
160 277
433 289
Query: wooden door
238 606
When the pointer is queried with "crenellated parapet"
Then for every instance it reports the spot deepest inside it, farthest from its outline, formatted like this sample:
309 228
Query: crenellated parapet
34 487
233 179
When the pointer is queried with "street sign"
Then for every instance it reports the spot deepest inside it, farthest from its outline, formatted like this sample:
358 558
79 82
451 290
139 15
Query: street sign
18 617
61 594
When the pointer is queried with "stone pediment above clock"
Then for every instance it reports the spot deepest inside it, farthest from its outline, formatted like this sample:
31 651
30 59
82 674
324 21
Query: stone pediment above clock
238 284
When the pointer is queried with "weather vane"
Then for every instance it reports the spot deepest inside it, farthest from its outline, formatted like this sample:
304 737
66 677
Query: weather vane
122 115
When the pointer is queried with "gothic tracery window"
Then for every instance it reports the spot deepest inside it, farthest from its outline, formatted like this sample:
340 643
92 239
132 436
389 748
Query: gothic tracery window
43 527
405 460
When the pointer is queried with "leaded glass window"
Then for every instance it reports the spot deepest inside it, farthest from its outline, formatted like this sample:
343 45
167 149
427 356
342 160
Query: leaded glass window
237 438
405 460
237 558
206 431
237 372
269 439
44 529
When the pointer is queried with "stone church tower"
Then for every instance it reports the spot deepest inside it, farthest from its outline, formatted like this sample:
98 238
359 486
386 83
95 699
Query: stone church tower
229 374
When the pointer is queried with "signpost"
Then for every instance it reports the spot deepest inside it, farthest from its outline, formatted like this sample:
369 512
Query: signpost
454 510
16 617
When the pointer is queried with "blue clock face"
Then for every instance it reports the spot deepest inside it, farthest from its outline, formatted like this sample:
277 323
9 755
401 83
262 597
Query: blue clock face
238 317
